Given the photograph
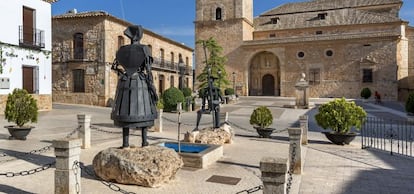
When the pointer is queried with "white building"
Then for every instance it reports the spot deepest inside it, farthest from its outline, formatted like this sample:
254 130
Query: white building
25 50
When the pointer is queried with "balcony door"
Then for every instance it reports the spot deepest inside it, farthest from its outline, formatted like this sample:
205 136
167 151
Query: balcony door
28 25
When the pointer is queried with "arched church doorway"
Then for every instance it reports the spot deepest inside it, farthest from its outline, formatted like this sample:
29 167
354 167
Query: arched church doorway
264 75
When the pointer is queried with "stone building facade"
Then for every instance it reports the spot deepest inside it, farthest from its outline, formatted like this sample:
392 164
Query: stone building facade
84 47
341 45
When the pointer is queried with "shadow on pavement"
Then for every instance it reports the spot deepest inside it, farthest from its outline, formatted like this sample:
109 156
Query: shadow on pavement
29 157
10 189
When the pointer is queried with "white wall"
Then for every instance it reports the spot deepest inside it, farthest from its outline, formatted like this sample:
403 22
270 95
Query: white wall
12 14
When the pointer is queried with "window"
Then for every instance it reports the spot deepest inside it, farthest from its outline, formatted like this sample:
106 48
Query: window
367 76
314 76
218 14
28 25
172 81
329 53
319 32
272 35
162 57
274 20
78 80
301 54
121 41
30 79
172 58
150 49
322 16
78 46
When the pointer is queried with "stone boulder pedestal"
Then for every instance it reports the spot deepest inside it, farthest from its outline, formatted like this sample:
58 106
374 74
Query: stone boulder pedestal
150 166
218 136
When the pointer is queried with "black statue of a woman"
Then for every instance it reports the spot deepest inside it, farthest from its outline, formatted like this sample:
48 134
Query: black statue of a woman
135 98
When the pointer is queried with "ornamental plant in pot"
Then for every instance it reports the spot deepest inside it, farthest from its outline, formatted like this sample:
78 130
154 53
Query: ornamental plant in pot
340 116
261 119
21 108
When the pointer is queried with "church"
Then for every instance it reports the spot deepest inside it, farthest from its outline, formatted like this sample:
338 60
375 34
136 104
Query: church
342 46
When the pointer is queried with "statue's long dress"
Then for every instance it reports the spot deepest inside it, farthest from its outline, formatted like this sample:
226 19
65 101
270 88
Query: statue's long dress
135 105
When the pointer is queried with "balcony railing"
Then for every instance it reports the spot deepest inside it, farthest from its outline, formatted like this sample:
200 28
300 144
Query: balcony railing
170 66
31 37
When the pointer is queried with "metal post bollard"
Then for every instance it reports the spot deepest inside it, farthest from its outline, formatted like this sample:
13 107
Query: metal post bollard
67 173
84 122
274 174
295 150
303 119
160 120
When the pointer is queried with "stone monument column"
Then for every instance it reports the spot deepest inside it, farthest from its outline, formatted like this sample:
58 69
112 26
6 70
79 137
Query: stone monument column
302 93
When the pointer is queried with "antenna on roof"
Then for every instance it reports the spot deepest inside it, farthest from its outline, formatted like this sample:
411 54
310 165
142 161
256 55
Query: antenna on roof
122 9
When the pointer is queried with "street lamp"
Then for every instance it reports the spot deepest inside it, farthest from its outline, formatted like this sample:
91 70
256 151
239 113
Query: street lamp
234 83
181 69
219 80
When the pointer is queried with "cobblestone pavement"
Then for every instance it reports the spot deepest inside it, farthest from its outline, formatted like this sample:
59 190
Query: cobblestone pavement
328 168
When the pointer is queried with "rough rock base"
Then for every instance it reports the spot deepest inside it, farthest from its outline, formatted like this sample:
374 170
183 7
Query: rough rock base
219 136
150 166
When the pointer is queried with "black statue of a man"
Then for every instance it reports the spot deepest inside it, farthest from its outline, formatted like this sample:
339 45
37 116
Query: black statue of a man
213 96
135 98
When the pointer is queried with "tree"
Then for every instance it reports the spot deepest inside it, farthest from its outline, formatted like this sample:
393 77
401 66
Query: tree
215 61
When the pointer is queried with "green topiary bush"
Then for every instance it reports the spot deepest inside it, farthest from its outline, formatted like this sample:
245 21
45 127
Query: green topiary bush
229 91
186 92
171 97
409 104
261 117
340 116
21 108
365 93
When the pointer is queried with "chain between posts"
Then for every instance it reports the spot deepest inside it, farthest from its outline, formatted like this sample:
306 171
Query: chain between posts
28 172
172 121
111 132
110 185
250 130
291 169
252 190
38 151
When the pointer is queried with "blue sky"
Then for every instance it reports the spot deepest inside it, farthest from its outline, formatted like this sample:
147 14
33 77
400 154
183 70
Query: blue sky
173 18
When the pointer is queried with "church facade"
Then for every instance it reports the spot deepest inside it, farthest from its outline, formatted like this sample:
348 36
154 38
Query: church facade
342 46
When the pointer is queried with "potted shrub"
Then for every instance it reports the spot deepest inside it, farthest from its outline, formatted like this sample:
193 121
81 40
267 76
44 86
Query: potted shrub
365 93
21 108
261 119
409 107
340 116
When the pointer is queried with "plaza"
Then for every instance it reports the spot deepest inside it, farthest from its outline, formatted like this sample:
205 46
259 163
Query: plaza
328 168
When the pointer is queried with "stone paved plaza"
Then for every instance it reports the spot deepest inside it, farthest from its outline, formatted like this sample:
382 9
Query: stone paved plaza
328 168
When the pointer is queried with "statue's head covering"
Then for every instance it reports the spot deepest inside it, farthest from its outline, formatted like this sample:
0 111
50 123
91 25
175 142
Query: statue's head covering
134 33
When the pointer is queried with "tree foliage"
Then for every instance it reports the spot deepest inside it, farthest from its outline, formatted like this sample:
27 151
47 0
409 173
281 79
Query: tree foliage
340 116
216 61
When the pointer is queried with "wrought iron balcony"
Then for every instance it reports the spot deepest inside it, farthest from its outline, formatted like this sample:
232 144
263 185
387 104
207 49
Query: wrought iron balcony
31 37
164 65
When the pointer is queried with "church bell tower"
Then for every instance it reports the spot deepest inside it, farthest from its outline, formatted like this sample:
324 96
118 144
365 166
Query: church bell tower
229 22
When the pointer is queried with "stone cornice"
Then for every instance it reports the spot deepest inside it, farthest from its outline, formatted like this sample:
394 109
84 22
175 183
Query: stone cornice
317 38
